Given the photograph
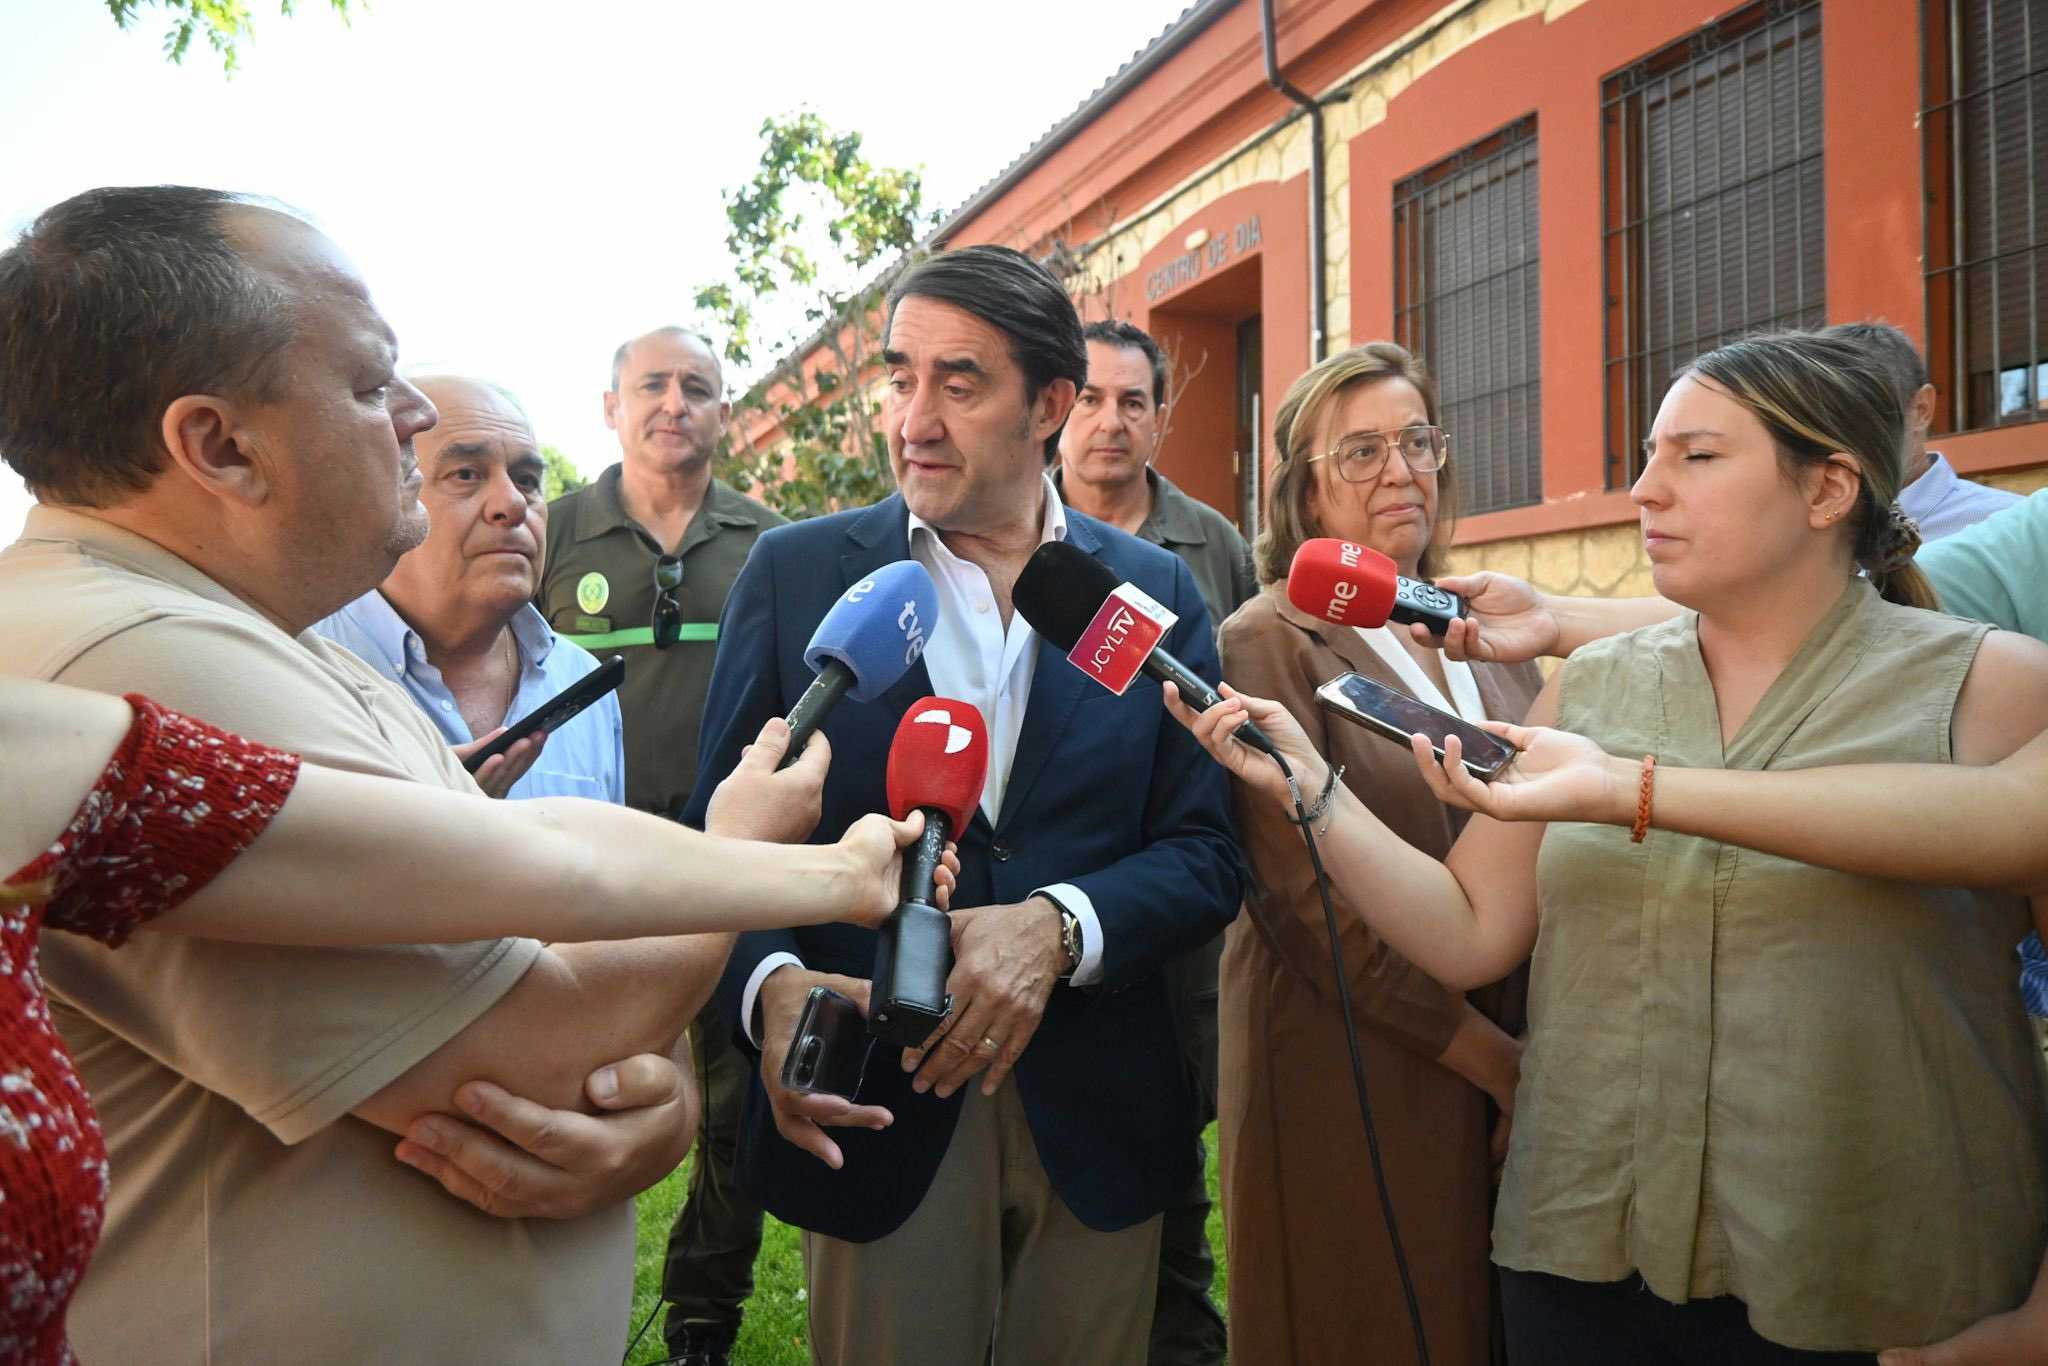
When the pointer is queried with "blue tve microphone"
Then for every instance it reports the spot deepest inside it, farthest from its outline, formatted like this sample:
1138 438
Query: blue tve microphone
869 639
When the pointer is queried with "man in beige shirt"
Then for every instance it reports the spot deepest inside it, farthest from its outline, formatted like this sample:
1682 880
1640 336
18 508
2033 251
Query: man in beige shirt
202 396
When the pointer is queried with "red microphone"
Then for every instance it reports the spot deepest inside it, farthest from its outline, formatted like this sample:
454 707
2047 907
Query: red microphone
938 764
1355 585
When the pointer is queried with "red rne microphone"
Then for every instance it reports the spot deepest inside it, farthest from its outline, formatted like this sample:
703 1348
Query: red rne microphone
1355 585
938 764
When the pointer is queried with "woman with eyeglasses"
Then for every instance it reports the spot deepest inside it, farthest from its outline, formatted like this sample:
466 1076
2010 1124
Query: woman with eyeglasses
1770 1112
1312 1279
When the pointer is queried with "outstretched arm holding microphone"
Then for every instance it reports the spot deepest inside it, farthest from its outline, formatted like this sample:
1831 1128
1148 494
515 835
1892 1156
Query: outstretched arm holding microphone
1971 827
1421 906
1466 921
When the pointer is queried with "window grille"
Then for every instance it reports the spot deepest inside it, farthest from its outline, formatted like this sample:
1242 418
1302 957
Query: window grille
1712 184
1465 300
1984 130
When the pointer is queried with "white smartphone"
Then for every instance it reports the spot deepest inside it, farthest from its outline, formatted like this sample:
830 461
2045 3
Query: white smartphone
1397 716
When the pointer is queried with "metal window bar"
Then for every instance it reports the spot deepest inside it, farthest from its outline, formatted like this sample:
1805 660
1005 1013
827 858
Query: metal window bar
1466 299
1723 124
1985 114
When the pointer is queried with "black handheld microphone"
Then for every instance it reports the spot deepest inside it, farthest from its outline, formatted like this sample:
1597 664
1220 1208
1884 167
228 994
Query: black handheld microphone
938 764
1068 595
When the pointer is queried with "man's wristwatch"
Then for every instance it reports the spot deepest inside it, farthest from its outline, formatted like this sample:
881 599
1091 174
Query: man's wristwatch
1070 940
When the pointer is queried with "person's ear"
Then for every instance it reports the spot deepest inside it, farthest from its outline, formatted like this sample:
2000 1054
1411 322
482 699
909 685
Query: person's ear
1921 414
611 409
1832 489
210 443
724 414
1055 401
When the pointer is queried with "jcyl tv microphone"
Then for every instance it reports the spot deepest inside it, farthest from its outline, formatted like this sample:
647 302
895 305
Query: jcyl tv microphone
938 764
869 639
1355 585
1110 630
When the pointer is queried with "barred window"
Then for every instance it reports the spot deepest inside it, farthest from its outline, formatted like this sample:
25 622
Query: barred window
1465 300
1985 131
1712 183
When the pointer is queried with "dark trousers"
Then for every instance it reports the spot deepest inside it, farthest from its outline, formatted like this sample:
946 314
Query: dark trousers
710 1268
1186 1329
1556 1321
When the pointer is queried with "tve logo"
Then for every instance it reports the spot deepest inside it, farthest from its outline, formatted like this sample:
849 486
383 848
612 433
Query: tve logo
1115 646
913 632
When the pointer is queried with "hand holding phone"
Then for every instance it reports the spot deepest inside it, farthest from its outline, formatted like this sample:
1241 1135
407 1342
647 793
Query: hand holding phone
828 1053
1397 716
556 712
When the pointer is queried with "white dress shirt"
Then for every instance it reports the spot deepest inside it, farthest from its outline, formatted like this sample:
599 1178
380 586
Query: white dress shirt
974 657
1464 699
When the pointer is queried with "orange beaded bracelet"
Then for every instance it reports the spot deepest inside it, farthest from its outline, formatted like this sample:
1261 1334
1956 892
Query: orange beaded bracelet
1642 825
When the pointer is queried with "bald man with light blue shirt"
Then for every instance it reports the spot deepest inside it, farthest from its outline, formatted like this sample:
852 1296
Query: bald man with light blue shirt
454 625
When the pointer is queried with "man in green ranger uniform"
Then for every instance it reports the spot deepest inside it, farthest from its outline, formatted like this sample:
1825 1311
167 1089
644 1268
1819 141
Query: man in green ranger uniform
639 563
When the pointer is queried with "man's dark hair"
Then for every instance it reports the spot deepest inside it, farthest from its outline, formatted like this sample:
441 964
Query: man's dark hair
1894 354
1019 298
114 304
619 356
1138 339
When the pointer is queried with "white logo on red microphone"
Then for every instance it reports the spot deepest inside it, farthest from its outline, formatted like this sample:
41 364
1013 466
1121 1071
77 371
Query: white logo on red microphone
1115 633
1343 591
957 737
1121 637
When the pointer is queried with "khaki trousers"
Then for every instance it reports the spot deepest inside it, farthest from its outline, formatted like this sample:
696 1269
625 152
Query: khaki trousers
992 1266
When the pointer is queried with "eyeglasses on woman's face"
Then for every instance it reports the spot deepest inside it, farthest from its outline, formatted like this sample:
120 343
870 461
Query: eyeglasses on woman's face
1360 456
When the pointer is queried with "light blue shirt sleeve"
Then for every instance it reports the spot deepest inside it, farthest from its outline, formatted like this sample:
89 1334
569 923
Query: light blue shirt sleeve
1996 570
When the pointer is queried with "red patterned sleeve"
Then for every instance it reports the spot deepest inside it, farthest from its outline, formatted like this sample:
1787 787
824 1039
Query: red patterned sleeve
175 805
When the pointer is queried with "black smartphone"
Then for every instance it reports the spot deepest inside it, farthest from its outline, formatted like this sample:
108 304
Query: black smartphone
829 1051
551 714
1397 716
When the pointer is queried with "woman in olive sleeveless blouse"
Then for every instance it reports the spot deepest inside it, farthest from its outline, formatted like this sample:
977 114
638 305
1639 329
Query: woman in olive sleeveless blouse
1801 1108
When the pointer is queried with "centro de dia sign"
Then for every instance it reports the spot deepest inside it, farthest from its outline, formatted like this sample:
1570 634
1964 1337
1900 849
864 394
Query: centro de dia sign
1214 254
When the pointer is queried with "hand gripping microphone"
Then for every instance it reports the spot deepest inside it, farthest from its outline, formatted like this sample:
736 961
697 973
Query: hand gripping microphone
1109 629
869 639
938 764
1354 585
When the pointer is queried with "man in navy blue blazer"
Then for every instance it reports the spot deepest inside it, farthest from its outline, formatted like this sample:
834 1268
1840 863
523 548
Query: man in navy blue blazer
1014 1200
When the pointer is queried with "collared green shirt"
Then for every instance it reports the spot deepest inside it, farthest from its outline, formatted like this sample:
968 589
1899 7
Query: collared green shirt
1204 539
598 591
1812 1090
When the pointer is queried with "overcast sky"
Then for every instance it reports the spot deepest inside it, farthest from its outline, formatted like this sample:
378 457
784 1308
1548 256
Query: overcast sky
523 191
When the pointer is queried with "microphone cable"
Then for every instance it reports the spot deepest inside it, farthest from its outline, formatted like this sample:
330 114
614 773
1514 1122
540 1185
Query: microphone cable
656 1309
1372 1138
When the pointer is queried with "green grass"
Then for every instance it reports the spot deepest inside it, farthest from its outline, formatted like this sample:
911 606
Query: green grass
774 1332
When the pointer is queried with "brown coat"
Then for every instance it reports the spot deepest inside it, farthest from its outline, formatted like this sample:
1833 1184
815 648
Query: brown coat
1312 1278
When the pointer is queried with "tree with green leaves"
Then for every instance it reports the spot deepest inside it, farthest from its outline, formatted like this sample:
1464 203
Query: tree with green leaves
225 23
558 474
816 224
